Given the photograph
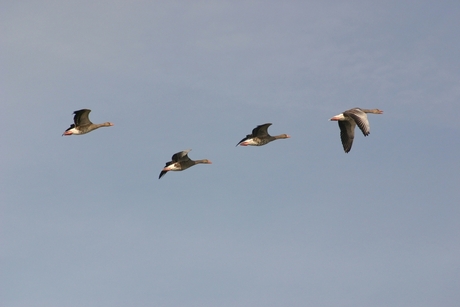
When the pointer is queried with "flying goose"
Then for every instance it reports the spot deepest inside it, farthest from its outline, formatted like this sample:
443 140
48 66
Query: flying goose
180 161
82 124
260 136
347 122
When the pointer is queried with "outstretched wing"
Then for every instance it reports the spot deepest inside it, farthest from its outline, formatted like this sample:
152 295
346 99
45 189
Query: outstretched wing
249 136
347 134
360 118
180 156
261 130
162 174
81 117
71 127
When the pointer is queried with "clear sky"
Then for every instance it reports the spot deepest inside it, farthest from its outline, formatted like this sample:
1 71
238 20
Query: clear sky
84 220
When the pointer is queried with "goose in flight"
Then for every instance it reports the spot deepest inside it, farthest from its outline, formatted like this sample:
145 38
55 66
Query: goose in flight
82 124
180 161
260 136
348 121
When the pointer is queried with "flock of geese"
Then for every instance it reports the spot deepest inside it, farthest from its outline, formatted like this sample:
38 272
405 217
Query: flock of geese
180 161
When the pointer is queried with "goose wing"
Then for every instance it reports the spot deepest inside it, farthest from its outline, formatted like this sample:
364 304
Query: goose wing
249 136
261 130
81 117
71 127
360 118
180 156
347 133
162 174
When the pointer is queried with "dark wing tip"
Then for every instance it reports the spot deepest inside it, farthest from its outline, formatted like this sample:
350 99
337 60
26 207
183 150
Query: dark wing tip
162 174
71 126
244 139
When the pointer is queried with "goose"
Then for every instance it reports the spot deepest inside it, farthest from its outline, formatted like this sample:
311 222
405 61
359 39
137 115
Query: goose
180 161
260 136
348 121
82 124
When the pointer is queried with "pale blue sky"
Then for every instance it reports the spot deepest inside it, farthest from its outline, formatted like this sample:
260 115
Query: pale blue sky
85 221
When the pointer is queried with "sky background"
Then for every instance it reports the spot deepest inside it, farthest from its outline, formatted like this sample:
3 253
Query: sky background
84 220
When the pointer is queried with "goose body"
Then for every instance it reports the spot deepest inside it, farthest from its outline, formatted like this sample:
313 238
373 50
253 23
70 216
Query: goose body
348 121
260 136
180 161
82 124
